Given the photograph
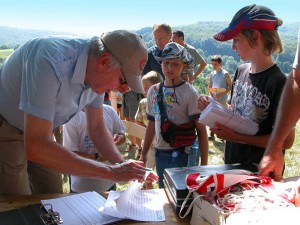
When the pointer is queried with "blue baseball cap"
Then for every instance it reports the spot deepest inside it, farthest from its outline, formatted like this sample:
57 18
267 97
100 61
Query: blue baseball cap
249 17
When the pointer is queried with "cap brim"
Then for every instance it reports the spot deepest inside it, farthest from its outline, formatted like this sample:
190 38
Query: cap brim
134 81
232 31
226 34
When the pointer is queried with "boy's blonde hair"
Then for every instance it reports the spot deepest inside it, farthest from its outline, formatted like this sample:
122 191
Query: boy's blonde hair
153 77
271 39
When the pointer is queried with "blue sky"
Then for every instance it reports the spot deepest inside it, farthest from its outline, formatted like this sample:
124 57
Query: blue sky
97 16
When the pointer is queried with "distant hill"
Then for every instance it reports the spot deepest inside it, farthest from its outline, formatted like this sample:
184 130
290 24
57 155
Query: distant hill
199 35
16 36
12 37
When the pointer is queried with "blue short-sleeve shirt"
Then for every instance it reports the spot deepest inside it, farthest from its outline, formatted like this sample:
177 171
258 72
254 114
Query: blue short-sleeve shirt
45 78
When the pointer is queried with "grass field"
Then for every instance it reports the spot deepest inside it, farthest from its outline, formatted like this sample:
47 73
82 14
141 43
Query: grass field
292 156
216 150
5 52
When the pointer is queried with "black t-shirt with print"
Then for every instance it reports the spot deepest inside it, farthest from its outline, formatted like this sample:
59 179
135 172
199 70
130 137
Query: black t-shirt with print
254 96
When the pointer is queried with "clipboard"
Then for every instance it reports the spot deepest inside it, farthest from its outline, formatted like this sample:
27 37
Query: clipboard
33 214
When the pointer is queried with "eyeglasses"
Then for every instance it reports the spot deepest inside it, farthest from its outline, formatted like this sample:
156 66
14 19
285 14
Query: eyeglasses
122 79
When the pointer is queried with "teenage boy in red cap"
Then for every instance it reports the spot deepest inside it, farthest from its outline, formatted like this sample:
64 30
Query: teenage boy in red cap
257 85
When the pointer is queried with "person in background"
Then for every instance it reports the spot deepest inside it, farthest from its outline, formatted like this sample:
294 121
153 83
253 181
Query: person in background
179 100
148 80
190 76
130 104
257 85
219 78
46 82
162 34
107 100
76 139
288 114
119 105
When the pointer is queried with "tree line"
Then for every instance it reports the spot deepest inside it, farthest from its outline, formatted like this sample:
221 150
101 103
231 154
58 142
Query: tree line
199 35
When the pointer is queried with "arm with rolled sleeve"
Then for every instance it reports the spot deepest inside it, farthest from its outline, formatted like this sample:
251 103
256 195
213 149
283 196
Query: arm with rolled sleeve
287 116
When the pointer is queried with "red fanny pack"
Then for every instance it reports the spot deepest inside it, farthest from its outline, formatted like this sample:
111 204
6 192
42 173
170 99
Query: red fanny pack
178 136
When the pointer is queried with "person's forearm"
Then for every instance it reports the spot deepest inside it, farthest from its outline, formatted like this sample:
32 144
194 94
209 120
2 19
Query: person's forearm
200 69
203 143
288 110
259 141
149 136
86 155
203 146
55 156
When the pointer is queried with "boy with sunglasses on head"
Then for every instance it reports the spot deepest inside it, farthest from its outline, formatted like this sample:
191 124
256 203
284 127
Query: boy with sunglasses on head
178 100
257 85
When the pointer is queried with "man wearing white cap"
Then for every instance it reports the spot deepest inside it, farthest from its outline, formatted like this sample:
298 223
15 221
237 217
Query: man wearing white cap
46 82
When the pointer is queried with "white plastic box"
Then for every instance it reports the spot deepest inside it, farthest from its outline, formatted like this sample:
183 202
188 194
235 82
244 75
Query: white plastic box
205 213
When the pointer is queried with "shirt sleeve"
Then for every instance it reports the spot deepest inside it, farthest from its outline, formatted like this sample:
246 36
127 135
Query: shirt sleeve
151 100
198 58
118 126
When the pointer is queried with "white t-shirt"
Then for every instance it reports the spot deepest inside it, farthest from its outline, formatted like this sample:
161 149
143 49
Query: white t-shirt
75 138
180 105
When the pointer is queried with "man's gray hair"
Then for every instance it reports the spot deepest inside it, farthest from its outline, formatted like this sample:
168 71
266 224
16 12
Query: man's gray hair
96 49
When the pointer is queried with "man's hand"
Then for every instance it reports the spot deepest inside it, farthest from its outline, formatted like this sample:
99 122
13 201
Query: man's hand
224 132
272 164
128 170
119 138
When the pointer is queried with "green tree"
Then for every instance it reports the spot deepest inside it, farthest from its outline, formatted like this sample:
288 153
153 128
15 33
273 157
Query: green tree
4 47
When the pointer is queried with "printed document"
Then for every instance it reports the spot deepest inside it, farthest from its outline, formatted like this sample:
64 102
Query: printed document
136 204
215 112
91 208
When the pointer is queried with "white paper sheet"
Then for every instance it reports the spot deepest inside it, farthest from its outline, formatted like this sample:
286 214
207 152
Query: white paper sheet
136 204
215 112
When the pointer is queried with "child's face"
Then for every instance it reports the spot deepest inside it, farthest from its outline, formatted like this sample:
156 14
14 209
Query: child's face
172 68
161 38
243 49
147 84
216 65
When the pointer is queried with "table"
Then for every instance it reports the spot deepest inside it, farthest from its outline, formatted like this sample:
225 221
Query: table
9 202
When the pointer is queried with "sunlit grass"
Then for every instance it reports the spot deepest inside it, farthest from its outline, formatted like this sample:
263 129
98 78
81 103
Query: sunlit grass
292 157
4 53
216 150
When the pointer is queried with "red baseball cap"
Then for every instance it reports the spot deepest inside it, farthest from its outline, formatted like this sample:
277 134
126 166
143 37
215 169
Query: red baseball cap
249 17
